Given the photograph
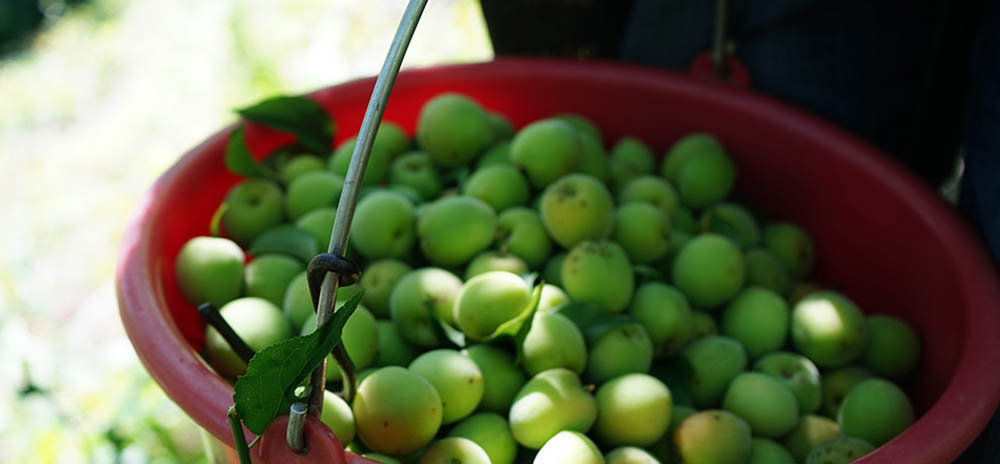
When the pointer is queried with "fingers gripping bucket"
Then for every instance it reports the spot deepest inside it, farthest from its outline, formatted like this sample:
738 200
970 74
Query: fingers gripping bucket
883 238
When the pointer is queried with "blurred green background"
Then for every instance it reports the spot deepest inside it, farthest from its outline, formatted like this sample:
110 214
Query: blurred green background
97 98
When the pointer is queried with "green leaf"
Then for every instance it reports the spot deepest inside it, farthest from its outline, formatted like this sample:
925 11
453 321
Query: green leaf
267 389
297 115
286 239
592 319
240 161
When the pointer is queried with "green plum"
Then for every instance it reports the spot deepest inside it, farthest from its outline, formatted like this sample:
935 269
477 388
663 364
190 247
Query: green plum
664 312
583 125
553 340
393 349
732 221
338 416
652 190
713 437
764 402
391 138
635 153
319 224
360 339
683 220
210 269
710 270
702 325
829 329
766 451
792 246
893 347
664 448
454 229
569 446
840 450
491 261
497 154
456 378
837 384
551 298
593 158
630 455
758 318
501 126
492 433
488 300
383 225
546 150
643 231
312 190
520 232
501 377
811 431
452 129
396 411
257 321
552 272
706 179
299 165
375 171
454 450
715 360
419 298
622 172
500 186
252 206
678 240
415 169
298 305
599 272
577 207
378 280
765 270
876 411
552 401
621 350
268 276
690 146
633 409
798 373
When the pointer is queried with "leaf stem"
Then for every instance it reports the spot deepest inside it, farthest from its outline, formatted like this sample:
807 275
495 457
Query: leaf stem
238 438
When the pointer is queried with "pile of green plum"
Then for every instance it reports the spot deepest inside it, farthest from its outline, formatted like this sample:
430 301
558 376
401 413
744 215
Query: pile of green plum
704 341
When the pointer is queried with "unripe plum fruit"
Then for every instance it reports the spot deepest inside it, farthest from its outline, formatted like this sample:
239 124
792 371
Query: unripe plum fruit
520 232
498 153
492 433
456 378
396 411
690 146
502 379
319 224
792 246
378 280
551 298
375 170
837 384
569 446
553 340
257 321
702 325
767 451
635 153
546 150
706 179
312 190
829 329
765 270
599 272
492 261
383 225
338 416
798 373
811 431
664 312
710 270
299 165
252 206
453 129
419 298
210 269
876 411
360 339
652 190
713 437
633 409
416 170
577 207
732 221
621 350
758 318
488 300
893 347
268 276
643 231
630 455
715 360
583 125
393 349
552 401
765 403
840 450
454 229
500 186
501 126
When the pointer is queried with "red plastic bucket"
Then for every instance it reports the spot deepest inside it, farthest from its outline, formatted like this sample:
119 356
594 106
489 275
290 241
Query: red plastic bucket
883 238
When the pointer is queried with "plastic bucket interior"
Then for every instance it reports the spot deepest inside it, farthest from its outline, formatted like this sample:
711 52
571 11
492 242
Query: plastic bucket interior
883 238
